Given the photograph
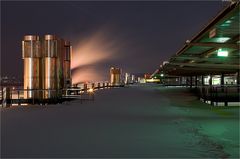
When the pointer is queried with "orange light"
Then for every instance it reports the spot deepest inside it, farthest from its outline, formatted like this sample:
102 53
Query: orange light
90 90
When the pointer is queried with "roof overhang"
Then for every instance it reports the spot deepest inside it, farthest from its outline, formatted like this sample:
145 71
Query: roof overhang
201 54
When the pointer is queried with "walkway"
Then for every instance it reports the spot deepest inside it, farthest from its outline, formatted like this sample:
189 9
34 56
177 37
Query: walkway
138 121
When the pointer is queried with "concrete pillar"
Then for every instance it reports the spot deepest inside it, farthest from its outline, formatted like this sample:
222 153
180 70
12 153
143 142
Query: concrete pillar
202 80
210 80
222 79
202 94
238 77
238 81
211 89
180 80
222 82
191 81
196 81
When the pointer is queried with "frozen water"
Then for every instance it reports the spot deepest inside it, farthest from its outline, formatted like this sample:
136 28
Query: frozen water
139 121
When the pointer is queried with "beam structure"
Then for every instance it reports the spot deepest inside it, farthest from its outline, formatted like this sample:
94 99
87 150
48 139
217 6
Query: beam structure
215 45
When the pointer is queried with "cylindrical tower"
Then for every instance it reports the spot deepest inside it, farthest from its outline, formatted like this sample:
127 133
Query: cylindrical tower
133 79
127 78
60 64
31 54
67 64
50 66
115 76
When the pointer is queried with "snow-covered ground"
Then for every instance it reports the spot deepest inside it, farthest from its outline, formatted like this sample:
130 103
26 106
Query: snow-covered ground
143 121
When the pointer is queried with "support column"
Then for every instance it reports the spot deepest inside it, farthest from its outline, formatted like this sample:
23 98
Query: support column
226 92
191 81
222 82
203 91
196 81
238 81
180 80
210 80
211 90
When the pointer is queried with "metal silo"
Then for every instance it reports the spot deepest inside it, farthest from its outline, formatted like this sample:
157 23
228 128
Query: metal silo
115 74
50 66
60 64
67 64
31 54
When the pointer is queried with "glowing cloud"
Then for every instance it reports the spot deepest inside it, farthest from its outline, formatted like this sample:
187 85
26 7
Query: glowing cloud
86 75
90 51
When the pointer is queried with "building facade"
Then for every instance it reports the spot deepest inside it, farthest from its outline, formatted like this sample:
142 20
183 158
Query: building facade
115 76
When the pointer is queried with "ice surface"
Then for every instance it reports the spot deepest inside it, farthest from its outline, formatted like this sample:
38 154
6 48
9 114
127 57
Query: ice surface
139 121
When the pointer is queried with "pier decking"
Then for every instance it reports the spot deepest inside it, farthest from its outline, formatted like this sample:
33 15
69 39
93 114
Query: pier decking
140 121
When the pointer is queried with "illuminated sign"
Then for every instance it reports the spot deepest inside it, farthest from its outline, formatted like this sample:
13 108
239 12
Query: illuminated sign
222 53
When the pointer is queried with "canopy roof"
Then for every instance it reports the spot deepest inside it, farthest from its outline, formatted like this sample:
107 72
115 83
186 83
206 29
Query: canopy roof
214 50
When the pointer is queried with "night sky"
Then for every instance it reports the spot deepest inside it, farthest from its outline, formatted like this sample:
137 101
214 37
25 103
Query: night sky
135 36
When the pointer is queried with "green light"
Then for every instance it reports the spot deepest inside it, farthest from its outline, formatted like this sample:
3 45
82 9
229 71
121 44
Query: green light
222 39
161 74
225 25
228 21
222 53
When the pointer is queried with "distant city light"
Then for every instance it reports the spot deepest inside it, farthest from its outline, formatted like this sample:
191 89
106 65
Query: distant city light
222 53
152 80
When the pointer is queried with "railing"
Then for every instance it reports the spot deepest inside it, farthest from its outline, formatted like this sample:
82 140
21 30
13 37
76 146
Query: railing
78 93
49 96
30 96
220 93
